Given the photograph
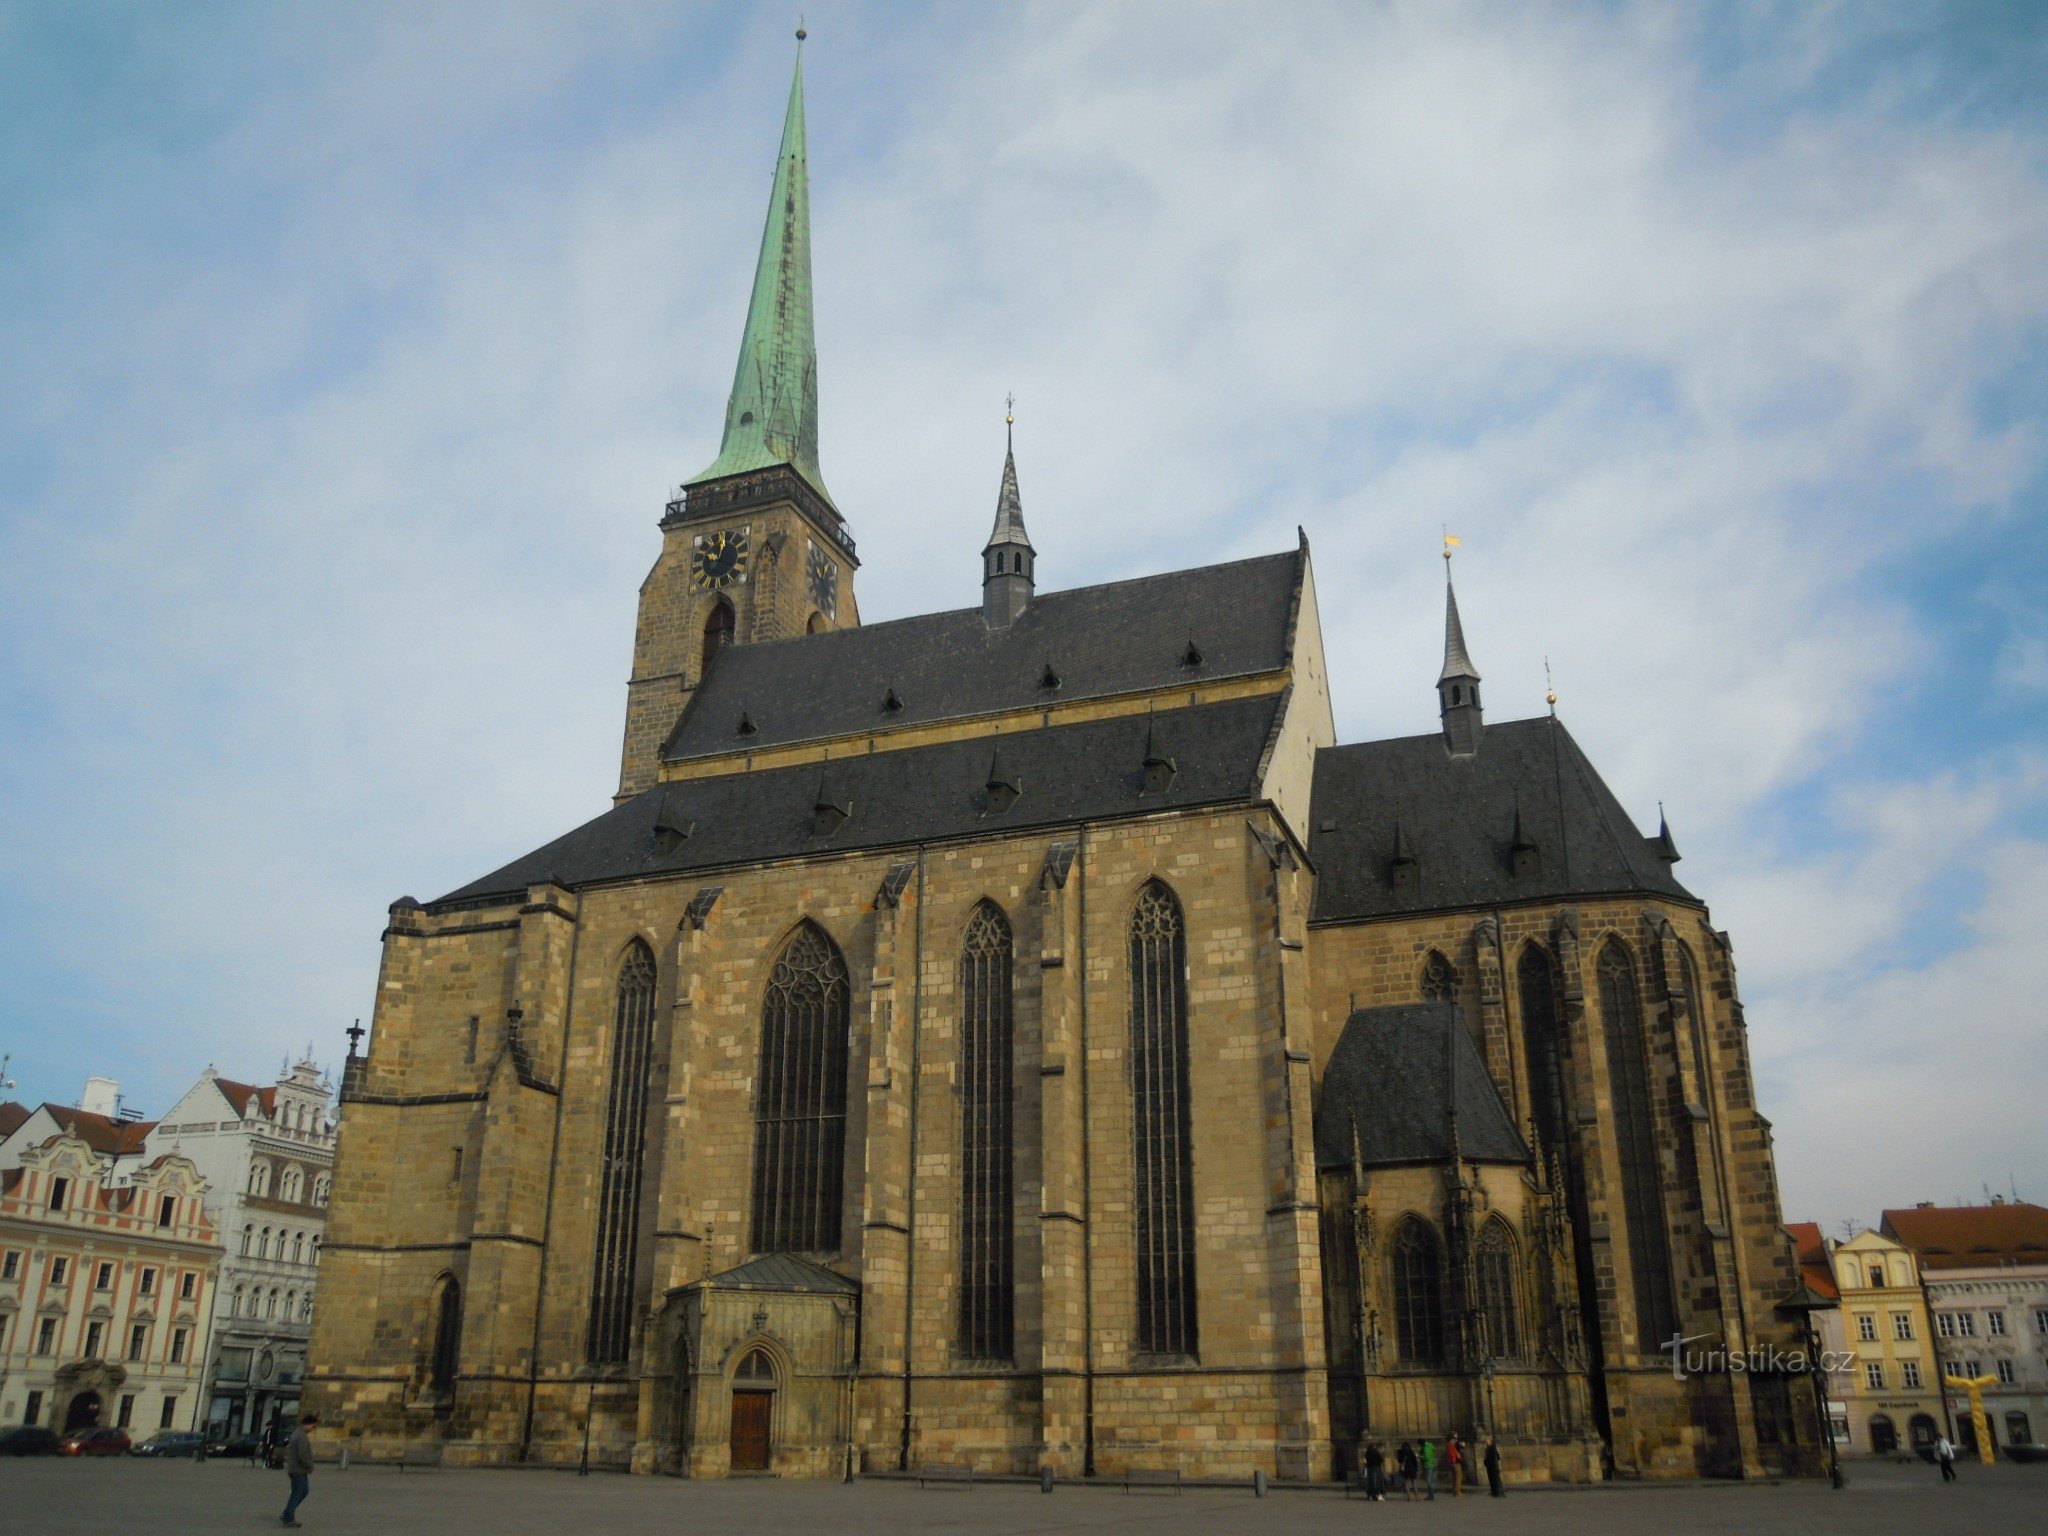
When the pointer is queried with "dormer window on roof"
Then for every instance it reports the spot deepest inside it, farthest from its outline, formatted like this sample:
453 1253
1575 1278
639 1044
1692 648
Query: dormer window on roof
1404 869
1159 766
746 727
891 702
1049 679
1191 655
832 808
1003 787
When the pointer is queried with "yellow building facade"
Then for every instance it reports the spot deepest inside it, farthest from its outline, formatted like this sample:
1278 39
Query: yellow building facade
1893 1388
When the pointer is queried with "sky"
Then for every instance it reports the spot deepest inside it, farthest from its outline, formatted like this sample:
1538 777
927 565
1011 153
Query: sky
348 353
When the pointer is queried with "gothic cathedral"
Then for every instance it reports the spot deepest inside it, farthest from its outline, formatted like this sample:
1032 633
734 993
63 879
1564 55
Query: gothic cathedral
1024 1037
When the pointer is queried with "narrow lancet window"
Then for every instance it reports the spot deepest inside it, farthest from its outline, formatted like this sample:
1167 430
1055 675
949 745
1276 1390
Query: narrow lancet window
1635 1137
1418 1274
986 1218
800 1108
625 1135
1162 1168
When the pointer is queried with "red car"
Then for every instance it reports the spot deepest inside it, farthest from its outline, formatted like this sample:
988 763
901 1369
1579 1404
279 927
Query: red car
96 1442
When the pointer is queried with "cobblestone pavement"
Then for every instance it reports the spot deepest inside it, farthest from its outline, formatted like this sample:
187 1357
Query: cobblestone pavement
172 1498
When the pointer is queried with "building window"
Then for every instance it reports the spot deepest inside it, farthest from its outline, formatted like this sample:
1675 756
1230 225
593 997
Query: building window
179 1338
291 1184
34 1408
2019 1430
1418 1293
718 630
138 1341
1635 1136
170 1409
248 1240
299 1238
46 1336
1494 1269
800 1112
10 1266
1540 1047
625 1136
1873 1375
1995 1323
306 1308
1162 1163
235 1303
124 1416
1866 1327
1945 1324
166 1210
447 1335
188 1286
59 1269
148 1286
1966 1325
1902 1325
59 1188
986 1218
94 1332
1439 979
1909 1373
103 1279
1877 1277
259 1177
2041 1320
2005 1371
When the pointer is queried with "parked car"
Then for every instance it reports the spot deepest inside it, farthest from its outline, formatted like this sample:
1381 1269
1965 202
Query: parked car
28 1440
172 1442
243 1447
97 1442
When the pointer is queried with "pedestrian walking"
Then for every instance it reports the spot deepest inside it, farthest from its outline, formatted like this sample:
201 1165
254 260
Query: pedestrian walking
1945 1458
1454 1453
1410 1469
298 1466
1492 1459
1429 1468
266 1445
1375 1472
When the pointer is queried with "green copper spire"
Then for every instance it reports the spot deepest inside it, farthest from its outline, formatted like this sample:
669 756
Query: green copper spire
772 417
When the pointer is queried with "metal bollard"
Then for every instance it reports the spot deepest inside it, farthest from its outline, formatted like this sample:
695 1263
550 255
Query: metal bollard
1259 1483
1045 1479
344 1458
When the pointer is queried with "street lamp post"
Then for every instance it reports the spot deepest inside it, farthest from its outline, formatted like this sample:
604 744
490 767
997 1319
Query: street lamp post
1803 1304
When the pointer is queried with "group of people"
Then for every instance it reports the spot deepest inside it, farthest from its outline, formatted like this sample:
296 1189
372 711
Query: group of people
1417 1468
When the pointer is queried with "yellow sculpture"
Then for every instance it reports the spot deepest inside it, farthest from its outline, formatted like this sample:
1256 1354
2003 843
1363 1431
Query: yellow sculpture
1975 1385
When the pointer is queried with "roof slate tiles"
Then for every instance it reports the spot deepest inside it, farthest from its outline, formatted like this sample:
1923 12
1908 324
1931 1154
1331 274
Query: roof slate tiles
1457 814
1067 773
1393 1074
1123 637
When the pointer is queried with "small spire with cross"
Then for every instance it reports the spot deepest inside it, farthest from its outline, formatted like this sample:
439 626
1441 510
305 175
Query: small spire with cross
355 1033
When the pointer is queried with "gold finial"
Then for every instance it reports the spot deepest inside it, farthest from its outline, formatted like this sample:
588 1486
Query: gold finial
801 34
1451 542
1009 410
1549 688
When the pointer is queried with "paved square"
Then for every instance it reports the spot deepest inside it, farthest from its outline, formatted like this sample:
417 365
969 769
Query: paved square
180 1497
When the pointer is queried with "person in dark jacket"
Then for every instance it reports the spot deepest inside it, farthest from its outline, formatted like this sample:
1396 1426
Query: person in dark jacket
1410 1468
1492 1460
1375 1472
298 1466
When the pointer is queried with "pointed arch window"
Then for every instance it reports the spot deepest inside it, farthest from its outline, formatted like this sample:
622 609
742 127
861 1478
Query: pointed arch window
1689 978
800 1113
1162 1169
625 1137
719 625
1439 979
1635 1136
1418 1274
986 1258
1494 1267
447 1335
1542 1049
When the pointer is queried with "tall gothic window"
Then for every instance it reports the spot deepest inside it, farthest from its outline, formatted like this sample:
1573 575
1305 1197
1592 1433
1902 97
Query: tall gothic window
800 1115
1541 1047
1690 977
1635 1136
625 1135
1418 1266
1494 1271
447 1335
718 629
985 1214
1162 1169
1439 979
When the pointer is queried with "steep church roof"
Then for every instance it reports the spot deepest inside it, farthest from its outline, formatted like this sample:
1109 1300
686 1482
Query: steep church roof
1395 1076
1458 815
1122 637
784 1272
771 416
1065 773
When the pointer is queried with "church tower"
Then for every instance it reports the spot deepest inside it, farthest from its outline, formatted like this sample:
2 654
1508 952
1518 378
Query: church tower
752 547
1008 574
1457 686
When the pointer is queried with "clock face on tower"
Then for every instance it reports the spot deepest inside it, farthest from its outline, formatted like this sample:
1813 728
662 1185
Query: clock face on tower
823 571
719 559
